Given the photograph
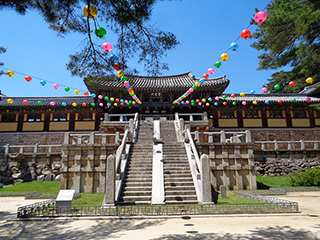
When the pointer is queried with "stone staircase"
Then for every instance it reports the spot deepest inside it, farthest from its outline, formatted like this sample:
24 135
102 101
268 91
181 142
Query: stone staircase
137 184
178 182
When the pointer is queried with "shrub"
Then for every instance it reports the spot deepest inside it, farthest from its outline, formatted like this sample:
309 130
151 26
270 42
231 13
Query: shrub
310 177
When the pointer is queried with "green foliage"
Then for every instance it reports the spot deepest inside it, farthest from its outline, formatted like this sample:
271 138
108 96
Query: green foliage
127 18
273 181
35 186
233 198
290 37
310 177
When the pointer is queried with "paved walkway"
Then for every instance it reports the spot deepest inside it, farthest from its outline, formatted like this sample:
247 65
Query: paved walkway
304 227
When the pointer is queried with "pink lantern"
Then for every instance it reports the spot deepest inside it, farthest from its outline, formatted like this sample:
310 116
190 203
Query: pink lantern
125 101
107 47
187 102
200 103
126 83
211 71
55 86
191 89
260 17
100 96
52 103
244 103
264 89
217 98
308 99
179 99
101 104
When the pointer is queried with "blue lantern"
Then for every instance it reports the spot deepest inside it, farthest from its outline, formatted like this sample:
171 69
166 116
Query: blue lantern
64 104
234 46
202 81
43 82
252 91
93 95
210 99
266 101
113 57
216 104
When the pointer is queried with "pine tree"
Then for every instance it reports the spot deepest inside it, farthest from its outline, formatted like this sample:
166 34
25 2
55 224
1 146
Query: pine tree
290 37
127 18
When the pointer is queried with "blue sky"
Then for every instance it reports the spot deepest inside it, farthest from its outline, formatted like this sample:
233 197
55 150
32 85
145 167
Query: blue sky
205 29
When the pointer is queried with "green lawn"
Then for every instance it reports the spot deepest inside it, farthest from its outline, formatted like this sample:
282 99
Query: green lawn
273 182
233 198
89 199
35 186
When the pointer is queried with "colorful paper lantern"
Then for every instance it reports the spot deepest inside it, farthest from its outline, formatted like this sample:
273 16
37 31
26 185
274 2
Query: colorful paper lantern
277 87
252 91
225 103
43 82
217 64
233 46
124 79
10 73
211 71
64 104
10 101
112 57
205 76
100 96
292 83
264 89
308 99
224 56
255 102
90 11
100 32
67 89
120 74
245 34
244 103
52 103
116 66
242 94
39 103
279 101
217 98
25 102
55 86
107 47
309 80
74 104
76 91
86 93
28 78
84 104
232 95
266 101
260 17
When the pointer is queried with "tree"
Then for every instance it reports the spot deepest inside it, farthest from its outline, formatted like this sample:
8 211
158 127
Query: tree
127 18
290 37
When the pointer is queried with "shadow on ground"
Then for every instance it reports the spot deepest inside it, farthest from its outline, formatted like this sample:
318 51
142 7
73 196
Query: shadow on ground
257 234
71 230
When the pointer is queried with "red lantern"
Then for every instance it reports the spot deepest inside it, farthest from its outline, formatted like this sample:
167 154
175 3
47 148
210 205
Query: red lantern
84 104
225 103
85 93
197 100
292 83
245 34
117 100
116 66
28 78
233 95
206 75
25 102
279 101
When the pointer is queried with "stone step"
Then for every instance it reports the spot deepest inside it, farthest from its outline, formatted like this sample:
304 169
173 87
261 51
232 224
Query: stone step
181 202
180 197
140 188
178 192
134 198
133 168
179 188
177 167
138 178
137 184
180 175
134 203
178 171
135 193
177 179
178 184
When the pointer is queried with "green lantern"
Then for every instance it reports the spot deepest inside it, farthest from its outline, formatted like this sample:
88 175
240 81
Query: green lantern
194 87
39 103
67 89
106 98
123 79
277 87
224 96
293 100
217 64
93 104
234 103
100 32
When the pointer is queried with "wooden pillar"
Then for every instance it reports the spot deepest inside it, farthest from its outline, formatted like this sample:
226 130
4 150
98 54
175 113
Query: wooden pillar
288 117
46 121
240 118
20 122
72 121
264 117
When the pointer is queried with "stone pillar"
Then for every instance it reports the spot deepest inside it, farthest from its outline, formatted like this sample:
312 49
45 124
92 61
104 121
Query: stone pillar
110 181
205 179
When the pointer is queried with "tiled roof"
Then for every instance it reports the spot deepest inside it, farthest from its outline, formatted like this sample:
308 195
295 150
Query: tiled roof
174 82
18 101
287 97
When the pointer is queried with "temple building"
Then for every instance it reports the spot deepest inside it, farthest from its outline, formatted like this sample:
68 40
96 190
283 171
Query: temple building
157 152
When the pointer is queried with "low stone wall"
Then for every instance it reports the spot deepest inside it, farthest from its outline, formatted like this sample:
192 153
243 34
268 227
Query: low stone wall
22 168
282 167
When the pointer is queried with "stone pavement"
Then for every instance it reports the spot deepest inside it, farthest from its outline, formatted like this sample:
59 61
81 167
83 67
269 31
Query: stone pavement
305 226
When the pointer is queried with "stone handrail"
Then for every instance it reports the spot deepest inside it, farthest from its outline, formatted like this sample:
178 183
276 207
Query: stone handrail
135 127
278 145
36 149
107 116
90 138
121 148
224 137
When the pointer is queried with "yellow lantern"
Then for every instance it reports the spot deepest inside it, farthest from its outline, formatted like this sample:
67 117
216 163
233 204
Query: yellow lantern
309 80
10 73
203 100
74 104
197 84
90 12
224 56
120 74
255 102
112 99
242 94
208 104
76 91
10 101
115 104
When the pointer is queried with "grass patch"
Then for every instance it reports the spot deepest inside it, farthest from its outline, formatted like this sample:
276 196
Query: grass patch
233 198
273 182
89 199
35 186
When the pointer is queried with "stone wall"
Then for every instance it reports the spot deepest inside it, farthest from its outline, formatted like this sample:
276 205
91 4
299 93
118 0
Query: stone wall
43 138
25 168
